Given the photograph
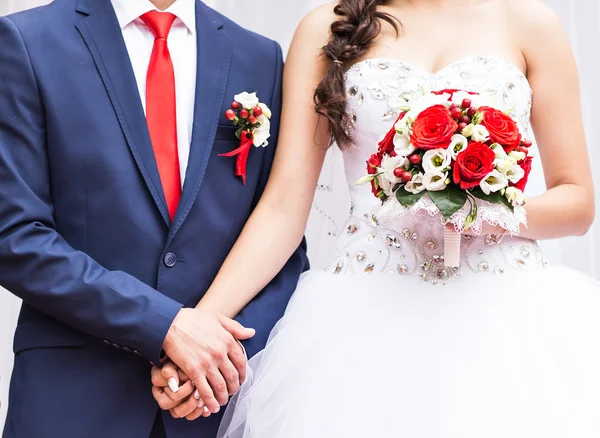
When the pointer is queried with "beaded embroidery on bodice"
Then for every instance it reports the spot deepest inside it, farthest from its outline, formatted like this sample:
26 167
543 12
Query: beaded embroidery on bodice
413 244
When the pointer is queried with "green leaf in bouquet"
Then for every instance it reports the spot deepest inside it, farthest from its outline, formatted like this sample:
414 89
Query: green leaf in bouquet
238 133
406 198
493 198
449 201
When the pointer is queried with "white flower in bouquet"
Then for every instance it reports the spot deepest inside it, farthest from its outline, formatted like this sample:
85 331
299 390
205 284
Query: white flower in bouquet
505 164
424 102
515 196
435 180
493 182
389 165
415 185
402 145
476 132
499 151
458 144
517 155
515 173
436 160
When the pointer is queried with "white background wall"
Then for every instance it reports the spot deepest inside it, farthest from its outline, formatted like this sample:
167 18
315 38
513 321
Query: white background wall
278 18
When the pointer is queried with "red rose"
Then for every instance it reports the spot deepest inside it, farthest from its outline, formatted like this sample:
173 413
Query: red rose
502 128
386 145
473 164
526 166
373 163
433 128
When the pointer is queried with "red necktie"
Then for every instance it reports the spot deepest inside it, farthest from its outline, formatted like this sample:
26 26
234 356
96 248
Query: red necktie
161 110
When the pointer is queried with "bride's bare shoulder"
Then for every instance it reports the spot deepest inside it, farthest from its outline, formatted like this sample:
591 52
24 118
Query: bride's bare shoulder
316 25
540 33
533 20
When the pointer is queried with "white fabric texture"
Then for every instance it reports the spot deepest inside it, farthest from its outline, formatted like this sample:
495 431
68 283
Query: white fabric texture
391 343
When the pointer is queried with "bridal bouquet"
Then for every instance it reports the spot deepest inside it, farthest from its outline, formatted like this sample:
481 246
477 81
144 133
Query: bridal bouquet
454 153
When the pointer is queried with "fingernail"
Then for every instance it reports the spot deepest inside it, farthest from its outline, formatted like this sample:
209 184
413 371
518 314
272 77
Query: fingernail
216 410
173 384
205 409
197 395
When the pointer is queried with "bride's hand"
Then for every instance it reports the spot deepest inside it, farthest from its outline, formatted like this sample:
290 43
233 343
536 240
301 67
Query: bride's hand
181 401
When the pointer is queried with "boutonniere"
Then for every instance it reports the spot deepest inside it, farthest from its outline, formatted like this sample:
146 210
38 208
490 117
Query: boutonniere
252 117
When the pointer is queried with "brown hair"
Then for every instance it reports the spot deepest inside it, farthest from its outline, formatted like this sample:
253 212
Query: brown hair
351 37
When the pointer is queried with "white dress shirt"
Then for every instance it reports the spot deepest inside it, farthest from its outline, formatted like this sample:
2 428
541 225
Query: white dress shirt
183 49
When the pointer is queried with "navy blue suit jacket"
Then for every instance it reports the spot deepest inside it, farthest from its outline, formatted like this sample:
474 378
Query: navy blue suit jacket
85 236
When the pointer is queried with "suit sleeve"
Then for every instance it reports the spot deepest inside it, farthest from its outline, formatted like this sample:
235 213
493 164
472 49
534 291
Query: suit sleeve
36 263
271 303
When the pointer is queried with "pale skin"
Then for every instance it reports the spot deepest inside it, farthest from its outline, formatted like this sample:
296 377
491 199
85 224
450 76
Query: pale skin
524 32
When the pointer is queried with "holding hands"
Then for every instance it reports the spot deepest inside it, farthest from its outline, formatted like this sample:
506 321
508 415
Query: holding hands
205 364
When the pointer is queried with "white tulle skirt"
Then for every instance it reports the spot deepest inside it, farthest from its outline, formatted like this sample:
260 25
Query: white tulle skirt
512 356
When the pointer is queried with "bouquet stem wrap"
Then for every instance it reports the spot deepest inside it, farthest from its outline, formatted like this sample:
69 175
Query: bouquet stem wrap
451 248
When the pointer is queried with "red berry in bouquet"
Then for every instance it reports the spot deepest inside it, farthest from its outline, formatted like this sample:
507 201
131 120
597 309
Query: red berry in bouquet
415 158
406 177
456 112
433 128
502 128
466 103
472 165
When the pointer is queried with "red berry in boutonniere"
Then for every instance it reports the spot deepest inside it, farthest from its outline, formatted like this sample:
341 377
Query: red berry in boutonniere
230 114
252 118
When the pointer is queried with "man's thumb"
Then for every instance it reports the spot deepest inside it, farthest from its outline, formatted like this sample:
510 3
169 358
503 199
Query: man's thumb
236 329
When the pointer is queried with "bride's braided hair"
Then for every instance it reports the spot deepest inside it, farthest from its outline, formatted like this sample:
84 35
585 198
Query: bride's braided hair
351 37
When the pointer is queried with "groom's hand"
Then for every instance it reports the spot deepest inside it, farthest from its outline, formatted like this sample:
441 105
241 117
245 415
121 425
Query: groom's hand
204 345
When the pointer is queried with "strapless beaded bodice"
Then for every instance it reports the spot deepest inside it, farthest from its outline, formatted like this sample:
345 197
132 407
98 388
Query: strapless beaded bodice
413 244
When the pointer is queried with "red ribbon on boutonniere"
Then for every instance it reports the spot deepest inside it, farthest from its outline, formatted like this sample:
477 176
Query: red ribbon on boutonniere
252 117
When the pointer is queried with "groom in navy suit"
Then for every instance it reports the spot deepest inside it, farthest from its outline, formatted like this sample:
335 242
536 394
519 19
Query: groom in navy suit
116 210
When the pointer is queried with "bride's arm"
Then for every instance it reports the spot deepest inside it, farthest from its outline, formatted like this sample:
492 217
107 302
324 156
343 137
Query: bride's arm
277 225
567 208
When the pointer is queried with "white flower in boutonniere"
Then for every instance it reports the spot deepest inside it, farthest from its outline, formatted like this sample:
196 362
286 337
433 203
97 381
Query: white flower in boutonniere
247 100
252 117
262 132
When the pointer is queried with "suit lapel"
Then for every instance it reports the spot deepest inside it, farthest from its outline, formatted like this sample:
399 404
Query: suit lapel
214 59
103 37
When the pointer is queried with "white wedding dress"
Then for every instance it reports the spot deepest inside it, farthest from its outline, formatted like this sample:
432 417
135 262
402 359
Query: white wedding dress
389 343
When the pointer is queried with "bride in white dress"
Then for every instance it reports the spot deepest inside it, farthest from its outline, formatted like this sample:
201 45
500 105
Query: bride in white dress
387 343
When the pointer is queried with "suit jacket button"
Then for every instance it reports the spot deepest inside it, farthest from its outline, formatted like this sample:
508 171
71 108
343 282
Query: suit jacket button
170 260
